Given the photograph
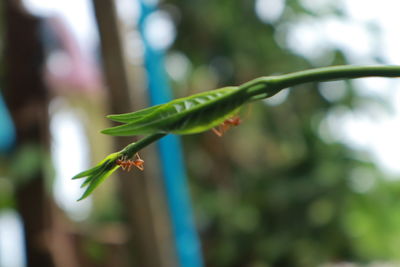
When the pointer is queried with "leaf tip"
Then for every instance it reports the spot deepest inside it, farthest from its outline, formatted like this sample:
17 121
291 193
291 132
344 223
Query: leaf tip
79 175
106 131
81 198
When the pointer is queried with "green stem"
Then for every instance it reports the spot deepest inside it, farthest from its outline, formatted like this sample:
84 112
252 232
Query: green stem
270 85
133 148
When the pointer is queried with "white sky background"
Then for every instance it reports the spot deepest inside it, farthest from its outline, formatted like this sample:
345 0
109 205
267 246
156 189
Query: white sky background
77 14
11 240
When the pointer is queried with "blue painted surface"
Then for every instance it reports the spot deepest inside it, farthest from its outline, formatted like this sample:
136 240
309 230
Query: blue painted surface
186 239
7 130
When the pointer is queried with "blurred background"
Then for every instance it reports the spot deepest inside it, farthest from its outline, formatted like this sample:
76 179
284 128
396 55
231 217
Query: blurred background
310 178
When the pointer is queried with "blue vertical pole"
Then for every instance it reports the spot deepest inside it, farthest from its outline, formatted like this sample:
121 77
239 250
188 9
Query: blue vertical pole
7 131
185 236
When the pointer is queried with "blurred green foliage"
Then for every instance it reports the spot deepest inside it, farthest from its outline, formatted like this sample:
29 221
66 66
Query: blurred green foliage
273 192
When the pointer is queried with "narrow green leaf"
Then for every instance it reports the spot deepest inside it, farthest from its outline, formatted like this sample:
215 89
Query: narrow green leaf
87 172
187 115
94 175
129 117
98 173
96 181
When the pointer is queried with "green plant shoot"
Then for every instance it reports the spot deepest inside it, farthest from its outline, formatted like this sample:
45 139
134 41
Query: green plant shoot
204 111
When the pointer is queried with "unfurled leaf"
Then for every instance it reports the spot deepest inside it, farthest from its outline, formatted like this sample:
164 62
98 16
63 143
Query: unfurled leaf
107 166
189 115
96 180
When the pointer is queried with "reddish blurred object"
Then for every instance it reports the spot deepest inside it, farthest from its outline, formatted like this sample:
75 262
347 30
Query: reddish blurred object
67 67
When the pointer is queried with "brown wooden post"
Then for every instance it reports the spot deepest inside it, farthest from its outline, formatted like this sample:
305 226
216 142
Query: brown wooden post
27 99
142 194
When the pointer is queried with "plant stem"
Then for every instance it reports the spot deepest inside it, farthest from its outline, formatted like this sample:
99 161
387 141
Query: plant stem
270 85
133 148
